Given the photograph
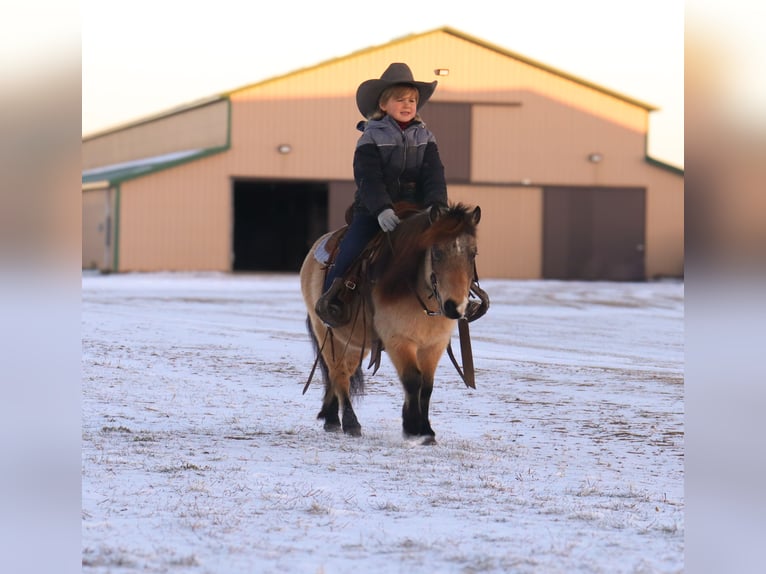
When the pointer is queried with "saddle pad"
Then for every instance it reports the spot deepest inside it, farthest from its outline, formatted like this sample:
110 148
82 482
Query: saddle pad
327 246
321 253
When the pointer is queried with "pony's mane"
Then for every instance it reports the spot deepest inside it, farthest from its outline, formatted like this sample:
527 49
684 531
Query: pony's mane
410 240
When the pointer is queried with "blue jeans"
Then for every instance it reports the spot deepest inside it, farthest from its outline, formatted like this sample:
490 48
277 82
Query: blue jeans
362 229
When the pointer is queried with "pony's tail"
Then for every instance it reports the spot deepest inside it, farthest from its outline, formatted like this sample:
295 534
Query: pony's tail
357 382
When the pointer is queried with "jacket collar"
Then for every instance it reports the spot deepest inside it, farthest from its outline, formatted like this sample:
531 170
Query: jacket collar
385 121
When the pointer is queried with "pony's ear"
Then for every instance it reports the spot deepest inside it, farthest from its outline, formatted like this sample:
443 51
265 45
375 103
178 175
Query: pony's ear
476 215
435 212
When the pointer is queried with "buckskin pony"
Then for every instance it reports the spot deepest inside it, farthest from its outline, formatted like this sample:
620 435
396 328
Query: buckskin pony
412 287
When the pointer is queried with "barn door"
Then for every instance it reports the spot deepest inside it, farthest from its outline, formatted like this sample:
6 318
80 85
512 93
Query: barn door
594 233
98 229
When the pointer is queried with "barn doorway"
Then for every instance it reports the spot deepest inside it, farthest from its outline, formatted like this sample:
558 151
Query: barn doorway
594 233
275 223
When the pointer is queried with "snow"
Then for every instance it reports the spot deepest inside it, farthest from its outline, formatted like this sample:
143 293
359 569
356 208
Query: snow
201 455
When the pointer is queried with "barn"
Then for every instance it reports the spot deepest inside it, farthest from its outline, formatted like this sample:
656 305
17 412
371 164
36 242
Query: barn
246 180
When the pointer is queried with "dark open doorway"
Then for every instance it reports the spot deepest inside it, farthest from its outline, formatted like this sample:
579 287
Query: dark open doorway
275 223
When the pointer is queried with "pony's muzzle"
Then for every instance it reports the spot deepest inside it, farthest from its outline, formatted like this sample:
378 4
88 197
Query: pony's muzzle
454 311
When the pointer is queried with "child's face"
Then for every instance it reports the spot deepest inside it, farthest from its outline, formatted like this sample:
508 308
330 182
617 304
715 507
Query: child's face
401 107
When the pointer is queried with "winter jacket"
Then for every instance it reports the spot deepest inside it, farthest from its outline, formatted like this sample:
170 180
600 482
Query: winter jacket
391 165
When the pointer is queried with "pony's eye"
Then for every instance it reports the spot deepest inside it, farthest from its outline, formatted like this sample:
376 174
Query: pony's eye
437 254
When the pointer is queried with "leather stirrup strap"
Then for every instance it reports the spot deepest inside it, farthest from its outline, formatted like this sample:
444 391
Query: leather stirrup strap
328 333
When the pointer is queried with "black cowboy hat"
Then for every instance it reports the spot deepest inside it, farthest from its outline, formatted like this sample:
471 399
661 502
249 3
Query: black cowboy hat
368 92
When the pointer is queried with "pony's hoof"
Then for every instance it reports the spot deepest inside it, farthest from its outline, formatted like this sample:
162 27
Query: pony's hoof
332 427
353 431
419 439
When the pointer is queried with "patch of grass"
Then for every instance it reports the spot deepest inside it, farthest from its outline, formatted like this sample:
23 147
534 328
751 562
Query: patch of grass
144 437
184 466
318 508
187 561
387 506
119 429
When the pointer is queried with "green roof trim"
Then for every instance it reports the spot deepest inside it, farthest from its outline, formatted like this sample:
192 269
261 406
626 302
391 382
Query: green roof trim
661 164
117 173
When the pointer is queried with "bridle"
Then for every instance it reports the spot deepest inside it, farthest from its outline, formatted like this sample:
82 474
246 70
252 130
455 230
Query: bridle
434 294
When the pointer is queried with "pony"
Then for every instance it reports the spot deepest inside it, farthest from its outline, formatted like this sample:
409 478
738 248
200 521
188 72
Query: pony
414 286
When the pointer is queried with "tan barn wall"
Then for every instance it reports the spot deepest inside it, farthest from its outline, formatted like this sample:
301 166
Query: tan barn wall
322 145
546 143
177 220
510 232
664 224
197 128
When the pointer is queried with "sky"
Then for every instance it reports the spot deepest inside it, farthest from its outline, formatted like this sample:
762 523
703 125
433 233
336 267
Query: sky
148 57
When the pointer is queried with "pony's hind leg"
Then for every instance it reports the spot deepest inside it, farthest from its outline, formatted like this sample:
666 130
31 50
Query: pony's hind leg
341 400
329 412
330 403
351 424
331 406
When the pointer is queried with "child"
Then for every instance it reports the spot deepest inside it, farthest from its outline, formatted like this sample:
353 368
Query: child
396 159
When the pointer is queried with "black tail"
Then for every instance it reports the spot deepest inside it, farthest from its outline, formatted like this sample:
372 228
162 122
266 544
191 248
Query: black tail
357 382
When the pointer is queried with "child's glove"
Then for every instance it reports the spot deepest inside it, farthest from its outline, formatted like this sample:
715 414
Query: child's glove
388 220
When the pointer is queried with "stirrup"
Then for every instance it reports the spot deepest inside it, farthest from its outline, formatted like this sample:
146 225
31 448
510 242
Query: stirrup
330 308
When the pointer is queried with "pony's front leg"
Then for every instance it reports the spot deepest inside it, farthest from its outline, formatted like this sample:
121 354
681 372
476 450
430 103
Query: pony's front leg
403 355
425 400
412 417
428 360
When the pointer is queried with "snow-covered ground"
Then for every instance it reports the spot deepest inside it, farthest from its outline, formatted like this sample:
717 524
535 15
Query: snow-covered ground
201 455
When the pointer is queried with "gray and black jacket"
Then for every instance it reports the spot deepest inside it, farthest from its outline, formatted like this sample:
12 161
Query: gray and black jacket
391 165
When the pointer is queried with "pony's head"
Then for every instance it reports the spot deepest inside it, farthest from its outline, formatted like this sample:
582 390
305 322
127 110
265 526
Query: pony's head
435 248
